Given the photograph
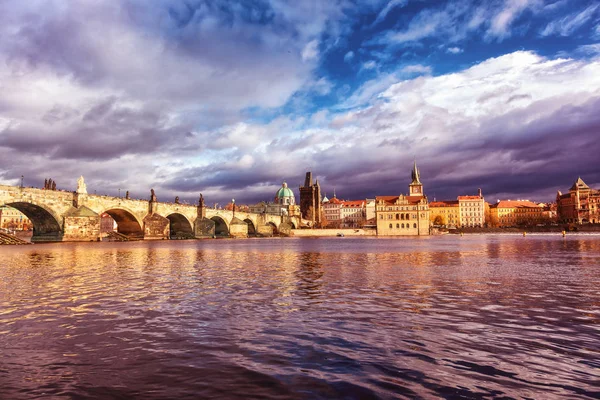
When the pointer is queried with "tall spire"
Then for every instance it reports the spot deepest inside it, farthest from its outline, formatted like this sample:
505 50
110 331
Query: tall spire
415 173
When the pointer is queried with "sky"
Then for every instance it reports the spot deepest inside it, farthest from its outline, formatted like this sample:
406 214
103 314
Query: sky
230 98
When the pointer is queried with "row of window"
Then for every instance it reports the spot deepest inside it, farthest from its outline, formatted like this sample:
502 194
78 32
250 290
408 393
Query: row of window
401 226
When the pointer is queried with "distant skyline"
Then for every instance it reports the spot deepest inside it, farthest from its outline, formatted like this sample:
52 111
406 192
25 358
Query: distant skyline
230 98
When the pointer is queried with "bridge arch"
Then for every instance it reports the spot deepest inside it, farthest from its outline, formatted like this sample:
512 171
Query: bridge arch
46 225
251 227
273 227
180 225
221 227
127 223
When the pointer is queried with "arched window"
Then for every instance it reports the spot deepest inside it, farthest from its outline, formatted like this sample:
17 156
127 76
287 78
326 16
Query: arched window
414 225
403 226
407 216
397 225
402 216
397 216
390 226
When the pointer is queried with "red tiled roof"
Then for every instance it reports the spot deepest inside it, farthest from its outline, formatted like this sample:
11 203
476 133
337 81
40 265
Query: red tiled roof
334 200
451 203
514 204
469 198
353 203
392 199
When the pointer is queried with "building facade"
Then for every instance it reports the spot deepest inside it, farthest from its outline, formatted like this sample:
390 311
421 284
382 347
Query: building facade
14 220
332 212
284 203
445 213
353 213
472 210
507 213
404 215
310 200
580 206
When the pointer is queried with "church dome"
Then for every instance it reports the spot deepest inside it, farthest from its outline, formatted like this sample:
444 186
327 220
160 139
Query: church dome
285 195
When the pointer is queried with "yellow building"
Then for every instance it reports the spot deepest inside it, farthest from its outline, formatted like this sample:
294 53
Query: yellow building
507 213
404 215
444 213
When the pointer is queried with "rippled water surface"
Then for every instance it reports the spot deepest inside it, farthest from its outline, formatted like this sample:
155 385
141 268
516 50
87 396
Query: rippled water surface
450 317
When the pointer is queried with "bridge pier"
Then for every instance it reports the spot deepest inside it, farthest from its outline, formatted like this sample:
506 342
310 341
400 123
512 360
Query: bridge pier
81 225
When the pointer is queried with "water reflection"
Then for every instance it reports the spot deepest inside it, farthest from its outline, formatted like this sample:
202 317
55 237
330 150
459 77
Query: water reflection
478 316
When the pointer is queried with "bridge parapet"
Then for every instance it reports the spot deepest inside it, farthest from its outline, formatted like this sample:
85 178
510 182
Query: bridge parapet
61 215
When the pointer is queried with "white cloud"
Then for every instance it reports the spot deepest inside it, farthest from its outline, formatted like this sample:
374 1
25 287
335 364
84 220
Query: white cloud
311 51
416 69
454 50
349 56
369 65
503 19
388 7
567 25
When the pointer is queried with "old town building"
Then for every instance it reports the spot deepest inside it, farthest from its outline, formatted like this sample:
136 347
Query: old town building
13 219
332 212
353 213
404 215
310 200
284 203
580 206
472 210
506 213
445 213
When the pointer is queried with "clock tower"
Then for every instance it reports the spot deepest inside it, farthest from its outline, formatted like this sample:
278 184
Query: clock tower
416 187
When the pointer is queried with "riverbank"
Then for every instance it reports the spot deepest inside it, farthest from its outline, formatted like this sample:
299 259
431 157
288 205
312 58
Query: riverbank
533 229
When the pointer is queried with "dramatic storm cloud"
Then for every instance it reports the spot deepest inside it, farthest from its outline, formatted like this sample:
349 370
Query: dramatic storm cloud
230 98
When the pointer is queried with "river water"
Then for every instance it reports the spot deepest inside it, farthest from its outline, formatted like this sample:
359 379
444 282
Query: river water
448 316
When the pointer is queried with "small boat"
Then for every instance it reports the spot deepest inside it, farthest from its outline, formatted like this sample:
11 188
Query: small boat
340 235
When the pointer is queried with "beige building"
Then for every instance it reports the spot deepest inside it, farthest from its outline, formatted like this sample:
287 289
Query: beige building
353 213
472 210
332 212
580 206
404 215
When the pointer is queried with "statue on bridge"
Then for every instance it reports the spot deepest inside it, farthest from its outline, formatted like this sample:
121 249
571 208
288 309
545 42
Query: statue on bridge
201 201
176 199
81 186
152 195
127 195
53 186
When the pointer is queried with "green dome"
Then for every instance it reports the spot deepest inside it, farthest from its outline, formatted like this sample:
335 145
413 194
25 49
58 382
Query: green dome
285 196
285 192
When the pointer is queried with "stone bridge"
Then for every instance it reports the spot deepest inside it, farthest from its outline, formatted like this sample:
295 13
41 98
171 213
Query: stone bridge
71 216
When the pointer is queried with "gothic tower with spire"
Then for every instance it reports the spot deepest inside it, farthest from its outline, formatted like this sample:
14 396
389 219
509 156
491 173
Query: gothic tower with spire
416 187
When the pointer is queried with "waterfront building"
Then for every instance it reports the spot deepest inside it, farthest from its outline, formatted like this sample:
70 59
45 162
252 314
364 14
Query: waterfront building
507 213
404 215
284 203
472 210
13 219
332 212
445 213
353 213
370 213
581 205
310 200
